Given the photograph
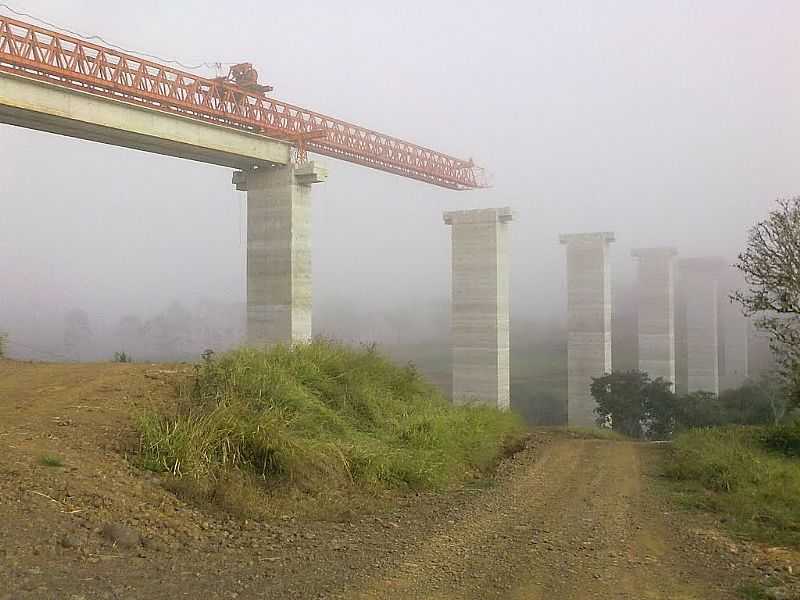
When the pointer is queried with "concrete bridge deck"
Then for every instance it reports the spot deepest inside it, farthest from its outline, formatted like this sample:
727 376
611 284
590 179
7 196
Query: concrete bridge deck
38 105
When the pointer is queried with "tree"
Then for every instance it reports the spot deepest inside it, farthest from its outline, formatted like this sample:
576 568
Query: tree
661 410
771 268
699 409
634 404
757 402
122 357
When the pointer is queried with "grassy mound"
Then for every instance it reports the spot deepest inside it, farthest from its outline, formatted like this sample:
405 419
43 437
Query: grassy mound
729 470
321 415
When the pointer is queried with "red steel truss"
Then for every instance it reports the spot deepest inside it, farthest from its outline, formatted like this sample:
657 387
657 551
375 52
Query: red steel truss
34 52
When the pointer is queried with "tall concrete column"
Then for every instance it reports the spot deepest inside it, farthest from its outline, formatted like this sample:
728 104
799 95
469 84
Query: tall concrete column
700 282
588 321
656 311
279 251
480 314
734 337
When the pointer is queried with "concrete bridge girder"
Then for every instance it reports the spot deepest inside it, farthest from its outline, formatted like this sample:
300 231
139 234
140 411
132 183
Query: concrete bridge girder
34 104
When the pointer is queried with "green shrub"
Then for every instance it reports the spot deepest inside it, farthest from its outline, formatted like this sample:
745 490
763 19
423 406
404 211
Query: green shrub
122 357
3 341
321 414
737 476
783 438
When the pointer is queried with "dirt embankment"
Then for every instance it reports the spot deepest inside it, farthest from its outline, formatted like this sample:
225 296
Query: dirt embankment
565 518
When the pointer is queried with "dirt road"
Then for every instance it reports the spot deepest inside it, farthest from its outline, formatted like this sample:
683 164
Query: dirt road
565 519
572 522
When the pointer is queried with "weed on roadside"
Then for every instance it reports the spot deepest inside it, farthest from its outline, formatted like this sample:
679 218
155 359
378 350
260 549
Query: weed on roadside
49 460
768 590
753 591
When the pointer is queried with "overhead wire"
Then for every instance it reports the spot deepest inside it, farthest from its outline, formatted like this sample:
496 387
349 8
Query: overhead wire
89 38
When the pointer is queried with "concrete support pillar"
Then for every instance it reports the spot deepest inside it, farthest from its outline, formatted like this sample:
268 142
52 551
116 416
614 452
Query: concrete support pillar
480 314
656 311
700 282
279 251
588 321
734 343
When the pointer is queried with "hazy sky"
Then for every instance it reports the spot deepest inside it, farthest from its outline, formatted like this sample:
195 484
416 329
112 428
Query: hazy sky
666 122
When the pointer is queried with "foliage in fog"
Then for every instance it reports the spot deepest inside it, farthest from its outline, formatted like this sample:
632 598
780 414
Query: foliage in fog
639 407
628 400
122 357
771 267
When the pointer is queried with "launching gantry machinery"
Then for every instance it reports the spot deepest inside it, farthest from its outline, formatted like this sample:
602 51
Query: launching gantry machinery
236 101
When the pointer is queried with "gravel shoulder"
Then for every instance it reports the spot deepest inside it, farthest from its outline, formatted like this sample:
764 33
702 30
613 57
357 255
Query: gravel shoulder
565 518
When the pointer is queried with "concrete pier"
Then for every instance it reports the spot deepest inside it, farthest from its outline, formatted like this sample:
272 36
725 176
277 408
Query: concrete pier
480 312
279 251
700 283
588 321
735 339
656 311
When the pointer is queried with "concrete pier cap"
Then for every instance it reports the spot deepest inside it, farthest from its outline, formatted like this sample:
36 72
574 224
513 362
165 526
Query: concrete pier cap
307 173
479 215
599 236
655 252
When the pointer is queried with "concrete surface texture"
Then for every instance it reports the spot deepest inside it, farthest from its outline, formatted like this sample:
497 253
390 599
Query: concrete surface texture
38 105
480 307
588 321
700 283
655 292
279 252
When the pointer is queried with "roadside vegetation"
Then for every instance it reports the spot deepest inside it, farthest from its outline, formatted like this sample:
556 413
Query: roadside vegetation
317 417
3 340
633 405
751 475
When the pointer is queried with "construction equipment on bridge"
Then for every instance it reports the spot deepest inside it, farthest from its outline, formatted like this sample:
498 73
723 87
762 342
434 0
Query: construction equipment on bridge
237 101
246 77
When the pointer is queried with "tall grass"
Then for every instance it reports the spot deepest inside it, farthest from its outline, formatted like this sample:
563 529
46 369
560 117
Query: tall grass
319 415
729 470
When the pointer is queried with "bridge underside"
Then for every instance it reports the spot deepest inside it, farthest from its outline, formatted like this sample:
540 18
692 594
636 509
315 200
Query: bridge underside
36 105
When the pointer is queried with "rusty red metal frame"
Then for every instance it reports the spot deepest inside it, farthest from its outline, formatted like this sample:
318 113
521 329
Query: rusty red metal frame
34 52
